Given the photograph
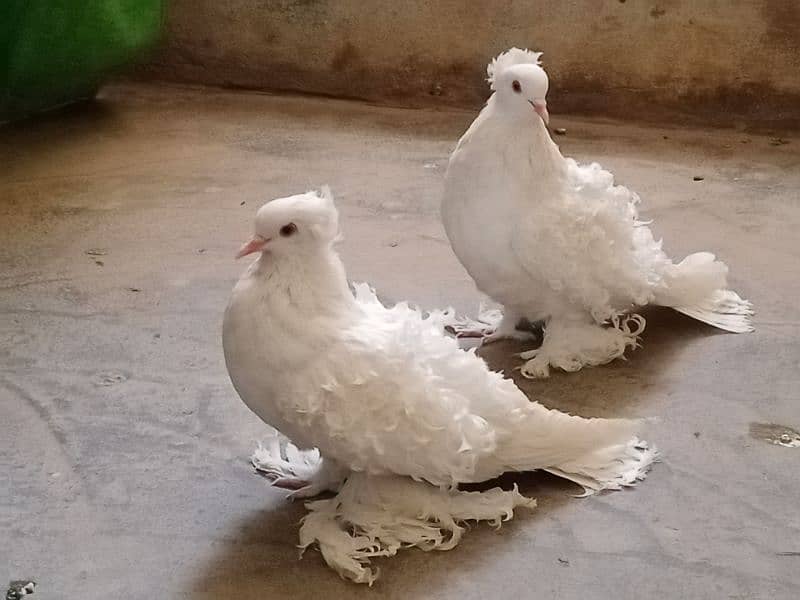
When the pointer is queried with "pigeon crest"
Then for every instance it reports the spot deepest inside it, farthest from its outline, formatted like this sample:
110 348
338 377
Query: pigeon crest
509 58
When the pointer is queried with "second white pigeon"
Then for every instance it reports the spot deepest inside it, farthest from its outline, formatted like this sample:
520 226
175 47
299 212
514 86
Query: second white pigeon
559 242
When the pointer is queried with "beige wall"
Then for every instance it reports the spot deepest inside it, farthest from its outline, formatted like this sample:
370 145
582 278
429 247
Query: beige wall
715 59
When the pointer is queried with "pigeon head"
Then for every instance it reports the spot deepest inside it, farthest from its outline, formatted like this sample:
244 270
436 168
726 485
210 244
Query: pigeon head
520 83
296 224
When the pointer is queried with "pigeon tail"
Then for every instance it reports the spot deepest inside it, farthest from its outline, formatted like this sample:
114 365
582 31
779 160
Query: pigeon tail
610 468
697 287
597 454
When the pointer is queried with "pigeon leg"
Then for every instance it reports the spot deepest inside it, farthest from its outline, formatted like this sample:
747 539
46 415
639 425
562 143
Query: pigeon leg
508 329
289 483
571 344
470 329
328 477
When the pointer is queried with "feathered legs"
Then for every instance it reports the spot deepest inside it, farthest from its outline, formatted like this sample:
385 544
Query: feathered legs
507 329
571 343
491 329
303 471
328 477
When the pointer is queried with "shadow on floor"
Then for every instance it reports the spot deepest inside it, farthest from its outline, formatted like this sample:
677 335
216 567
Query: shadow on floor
33 140
614 389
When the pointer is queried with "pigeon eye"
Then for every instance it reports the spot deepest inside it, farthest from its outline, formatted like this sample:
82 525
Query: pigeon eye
516 86
288 230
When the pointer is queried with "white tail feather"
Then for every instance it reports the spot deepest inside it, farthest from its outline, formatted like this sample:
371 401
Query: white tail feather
598 454
724 309
611 468
696 287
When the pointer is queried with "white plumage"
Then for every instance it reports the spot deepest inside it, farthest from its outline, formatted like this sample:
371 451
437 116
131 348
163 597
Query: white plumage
382 392
553 240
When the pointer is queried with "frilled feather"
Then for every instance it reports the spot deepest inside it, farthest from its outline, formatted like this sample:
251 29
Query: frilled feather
514 56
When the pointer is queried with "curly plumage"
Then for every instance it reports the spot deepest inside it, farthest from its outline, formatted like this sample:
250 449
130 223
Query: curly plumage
383 392
554 240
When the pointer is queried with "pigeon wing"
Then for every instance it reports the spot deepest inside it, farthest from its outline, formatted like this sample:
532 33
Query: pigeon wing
587 243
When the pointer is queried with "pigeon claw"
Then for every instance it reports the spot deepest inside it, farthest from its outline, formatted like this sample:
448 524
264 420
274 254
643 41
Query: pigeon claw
536 368
461 331
309 491
516 334
289 483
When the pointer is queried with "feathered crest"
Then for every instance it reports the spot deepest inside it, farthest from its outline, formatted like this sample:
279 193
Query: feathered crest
326 195
511 57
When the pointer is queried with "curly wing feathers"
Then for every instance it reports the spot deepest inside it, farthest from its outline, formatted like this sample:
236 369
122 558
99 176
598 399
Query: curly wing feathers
401 397
588 245
394 400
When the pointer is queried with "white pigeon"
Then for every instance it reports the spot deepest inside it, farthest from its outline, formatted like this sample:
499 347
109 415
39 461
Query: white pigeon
384 391
558 242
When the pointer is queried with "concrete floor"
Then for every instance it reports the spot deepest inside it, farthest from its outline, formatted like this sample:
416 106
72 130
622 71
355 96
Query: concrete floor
124 457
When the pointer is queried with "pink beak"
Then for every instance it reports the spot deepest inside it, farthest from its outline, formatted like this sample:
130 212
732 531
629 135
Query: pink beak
540 106
256 244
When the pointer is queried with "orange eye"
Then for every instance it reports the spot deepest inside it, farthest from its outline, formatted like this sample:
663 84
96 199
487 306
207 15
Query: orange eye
516 86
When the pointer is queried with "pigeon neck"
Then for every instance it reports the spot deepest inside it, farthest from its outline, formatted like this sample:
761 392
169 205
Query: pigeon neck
307 277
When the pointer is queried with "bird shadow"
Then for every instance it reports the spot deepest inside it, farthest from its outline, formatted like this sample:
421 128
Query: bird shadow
611 390
257 555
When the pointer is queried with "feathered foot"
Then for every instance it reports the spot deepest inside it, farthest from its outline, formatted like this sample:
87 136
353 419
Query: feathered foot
492 326
378 516
508 329
469 328
570 345
303 471
514 334
486 324
329 477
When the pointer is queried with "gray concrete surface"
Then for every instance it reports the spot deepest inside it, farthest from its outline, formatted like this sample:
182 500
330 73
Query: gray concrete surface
725 62
124 449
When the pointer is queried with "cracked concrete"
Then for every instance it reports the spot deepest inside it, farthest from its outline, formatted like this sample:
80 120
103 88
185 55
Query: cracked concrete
124 457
